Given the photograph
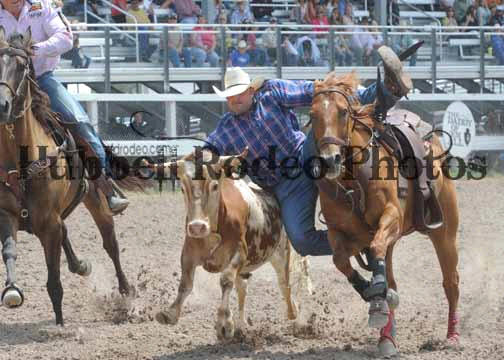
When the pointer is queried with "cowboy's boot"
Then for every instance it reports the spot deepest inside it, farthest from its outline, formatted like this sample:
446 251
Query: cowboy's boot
116 204
396 81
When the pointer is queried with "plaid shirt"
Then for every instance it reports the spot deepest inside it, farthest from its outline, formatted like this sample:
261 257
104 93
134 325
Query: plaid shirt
269 122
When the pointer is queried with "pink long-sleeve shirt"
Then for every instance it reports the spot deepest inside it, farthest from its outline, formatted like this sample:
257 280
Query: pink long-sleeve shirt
50 32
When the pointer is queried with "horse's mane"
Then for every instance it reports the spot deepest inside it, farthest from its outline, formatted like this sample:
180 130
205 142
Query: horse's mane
347 83
41 104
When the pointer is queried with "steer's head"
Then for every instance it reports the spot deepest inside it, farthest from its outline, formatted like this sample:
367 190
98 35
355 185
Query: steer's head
201 181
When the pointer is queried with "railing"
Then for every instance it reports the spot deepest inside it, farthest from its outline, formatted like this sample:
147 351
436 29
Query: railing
452 56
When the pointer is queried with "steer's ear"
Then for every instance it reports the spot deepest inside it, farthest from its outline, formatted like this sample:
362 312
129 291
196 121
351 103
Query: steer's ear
231 163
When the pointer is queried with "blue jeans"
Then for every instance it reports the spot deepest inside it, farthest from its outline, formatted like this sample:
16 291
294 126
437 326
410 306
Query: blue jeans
200 56
174 56
72 111
298 197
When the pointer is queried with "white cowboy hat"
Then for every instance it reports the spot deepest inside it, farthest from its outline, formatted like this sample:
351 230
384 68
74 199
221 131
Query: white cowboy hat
237 81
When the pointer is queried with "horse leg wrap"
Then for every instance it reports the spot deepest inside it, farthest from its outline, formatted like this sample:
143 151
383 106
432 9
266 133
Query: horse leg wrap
359 283
378 286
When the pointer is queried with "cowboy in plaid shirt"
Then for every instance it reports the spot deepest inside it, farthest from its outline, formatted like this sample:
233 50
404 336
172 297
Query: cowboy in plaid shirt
262 117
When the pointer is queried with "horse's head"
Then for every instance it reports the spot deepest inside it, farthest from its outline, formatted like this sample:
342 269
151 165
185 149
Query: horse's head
14 71
331 118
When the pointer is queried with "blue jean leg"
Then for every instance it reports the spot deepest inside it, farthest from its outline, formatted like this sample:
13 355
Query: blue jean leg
65 104
298 200
368 95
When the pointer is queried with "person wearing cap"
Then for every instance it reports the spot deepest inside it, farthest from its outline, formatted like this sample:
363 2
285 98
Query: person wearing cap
240 57
261 117
175 45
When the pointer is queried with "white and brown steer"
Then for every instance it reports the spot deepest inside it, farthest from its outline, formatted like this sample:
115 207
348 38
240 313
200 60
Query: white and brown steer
232 228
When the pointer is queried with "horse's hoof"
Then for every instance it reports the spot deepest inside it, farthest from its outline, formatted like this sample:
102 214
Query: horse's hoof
85 268
387 348
378 313
453 341
12 297
226 330
167 317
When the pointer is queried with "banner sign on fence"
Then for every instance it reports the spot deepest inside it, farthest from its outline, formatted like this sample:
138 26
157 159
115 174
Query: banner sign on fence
458 121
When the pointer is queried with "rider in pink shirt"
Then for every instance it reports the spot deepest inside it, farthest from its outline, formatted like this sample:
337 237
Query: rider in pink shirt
52 37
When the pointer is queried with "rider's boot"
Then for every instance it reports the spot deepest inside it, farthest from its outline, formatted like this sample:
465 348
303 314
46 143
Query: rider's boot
396 81
117 204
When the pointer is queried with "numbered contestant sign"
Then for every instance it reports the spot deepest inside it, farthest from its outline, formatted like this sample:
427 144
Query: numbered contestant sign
458 121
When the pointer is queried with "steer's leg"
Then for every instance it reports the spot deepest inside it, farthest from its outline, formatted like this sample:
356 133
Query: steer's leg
188 265
241 289
280 260
225 324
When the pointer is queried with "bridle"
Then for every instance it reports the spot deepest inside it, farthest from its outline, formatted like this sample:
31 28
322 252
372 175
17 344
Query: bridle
353 115
12 51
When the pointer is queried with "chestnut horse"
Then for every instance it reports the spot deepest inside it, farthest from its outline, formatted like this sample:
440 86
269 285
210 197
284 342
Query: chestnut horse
343 131
38 197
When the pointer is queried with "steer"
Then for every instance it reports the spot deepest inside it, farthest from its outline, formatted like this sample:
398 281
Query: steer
232 228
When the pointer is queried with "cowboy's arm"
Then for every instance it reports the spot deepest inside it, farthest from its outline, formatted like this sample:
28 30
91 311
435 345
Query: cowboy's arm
59 36
292 93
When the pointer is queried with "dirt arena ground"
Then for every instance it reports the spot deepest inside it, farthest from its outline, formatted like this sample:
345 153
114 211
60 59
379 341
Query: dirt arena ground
102 325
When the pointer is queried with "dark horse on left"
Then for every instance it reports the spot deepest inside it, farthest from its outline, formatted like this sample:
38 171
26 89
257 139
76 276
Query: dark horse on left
39 196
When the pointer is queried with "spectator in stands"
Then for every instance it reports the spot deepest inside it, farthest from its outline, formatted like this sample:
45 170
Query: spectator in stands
493 125
289 52
402 42
175 45
119 18
498 45
482 12
372 40
471 18
79 60
270 40
187 11
262 13
240 57
493 11
496 17
335 18
348 18
308 52
143 39
343 53
321 19
220 9
311 11
357 45
460 7
203 44
139 126
93 18
258 56
228 41
450 20
148 6
241 13
298 13
334 5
